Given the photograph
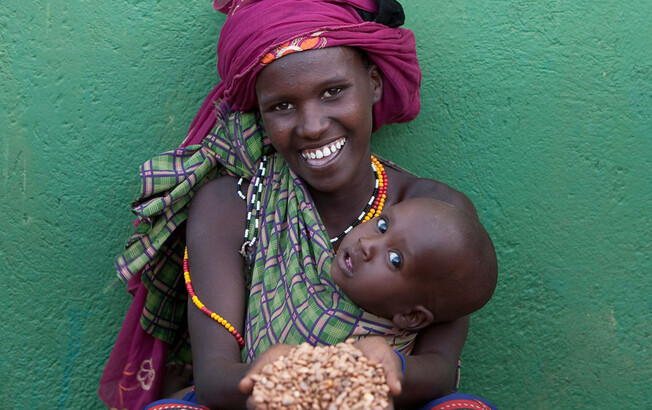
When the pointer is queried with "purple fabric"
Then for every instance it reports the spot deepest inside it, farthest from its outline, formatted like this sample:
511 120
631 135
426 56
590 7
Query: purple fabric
459 401
188 402
254 27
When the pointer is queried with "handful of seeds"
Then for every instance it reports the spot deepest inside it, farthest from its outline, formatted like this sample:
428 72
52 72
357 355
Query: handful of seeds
322 377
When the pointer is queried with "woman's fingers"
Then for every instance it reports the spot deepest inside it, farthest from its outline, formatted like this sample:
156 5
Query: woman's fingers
375 348
246 385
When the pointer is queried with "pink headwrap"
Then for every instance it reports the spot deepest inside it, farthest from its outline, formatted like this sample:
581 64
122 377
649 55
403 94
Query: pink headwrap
255 27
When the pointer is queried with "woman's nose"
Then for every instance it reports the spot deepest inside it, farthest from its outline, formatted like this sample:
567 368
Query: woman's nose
313 123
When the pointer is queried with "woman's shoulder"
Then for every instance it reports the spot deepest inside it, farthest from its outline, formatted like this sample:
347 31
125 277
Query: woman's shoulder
218 187
220 193
411 186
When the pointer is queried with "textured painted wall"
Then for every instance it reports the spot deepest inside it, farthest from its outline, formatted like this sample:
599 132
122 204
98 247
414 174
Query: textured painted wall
539 110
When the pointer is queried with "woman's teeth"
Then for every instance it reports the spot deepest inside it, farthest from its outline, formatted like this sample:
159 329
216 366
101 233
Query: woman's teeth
325 151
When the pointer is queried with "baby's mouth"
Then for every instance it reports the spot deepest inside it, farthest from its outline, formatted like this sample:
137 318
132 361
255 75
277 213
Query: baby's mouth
347 264
325 151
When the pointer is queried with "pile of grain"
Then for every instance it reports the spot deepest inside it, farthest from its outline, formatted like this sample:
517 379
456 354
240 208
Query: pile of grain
322 377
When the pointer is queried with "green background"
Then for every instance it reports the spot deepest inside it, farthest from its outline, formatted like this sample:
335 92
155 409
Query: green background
539 110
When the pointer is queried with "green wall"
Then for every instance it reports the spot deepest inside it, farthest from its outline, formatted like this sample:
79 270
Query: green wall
539 110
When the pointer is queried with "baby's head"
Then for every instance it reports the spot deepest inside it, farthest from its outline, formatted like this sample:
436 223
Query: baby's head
422 261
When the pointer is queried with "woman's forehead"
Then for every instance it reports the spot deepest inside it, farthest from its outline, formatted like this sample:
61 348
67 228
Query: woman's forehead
323 63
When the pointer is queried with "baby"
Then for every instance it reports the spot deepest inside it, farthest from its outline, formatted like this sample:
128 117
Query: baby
422 261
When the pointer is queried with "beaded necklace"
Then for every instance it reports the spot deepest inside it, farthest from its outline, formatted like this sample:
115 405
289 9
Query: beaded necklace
373 208
191 292
377 201
253 209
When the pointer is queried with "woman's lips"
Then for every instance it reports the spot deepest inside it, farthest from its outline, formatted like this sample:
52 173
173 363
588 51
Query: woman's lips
324 151
323 155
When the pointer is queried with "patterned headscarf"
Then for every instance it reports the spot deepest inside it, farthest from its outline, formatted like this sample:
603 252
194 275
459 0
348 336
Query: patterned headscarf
257 32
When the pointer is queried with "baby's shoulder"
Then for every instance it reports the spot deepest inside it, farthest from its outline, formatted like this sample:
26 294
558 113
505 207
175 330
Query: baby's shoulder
412 186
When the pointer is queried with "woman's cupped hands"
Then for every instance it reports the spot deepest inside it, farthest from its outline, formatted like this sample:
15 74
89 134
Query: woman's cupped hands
374 348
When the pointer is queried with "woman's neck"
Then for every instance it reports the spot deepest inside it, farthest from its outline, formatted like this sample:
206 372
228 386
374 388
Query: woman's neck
339 209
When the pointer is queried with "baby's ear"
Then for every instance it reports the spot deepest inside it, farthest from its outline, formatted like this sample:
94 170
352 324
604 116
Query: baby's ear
417 318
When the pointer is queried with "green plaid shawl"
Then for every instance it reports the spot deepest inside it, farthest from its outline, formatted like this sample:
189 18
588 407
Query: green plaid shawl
292 297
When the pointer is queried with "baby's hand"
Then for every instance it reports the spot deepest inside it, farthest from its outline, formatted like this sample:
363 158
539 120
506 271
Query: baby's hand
375 348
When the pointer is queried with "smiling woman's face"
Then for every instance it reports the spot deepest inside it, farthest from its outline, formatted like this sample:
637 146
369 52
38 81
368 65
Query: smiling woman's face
317 108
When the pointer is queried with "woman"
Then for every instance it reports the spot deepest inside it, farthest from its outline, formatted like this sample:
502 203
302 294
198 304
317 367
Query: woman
305 83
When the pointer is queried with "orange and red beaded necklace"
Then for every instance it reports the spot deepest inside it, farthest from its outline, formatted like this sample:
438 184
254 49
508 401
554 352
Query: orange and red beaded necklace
376 202
191 292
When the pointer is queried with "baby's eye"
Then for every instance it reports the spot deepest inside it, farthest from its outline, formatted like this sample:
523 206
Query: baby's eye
282 106
395 259
331 92
382 225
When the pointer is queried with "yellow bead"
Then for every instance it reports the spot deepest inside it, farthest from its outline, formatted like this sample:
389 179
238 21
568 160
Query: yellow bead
231 328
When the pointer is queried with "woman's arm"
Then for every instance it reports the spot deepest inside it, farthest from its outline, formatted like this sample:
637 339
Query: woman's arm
214 233
428 188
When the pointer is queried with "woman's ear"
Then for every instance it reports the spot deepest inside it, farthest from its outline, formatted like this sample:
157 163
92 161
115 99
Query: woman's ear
417 318
376 82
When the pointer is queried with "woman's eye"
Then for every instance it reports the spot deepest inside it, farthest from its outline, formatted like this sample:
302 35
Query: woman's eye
282 106
382 225
331 92
395 259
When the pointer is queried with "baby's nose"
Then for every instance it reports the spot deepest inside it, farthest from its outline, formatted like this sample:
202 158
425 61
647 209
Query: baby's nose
368 247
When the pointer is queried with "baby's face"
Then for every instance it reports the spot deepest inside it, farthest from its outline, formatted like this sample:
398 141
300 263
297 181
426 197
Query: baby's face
379 263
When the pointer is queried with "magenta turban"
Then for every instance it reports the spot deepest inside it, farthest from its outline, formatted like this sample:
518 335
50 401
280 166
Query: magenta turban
255 27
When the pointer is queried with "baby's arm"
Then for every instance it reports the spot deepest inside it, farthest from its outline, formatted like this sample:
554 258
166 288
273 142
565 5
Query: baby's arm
214 236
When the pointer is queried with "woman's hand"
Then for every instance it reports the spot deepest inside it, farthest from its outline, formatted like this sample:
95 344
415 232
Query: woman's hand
246 385
375 348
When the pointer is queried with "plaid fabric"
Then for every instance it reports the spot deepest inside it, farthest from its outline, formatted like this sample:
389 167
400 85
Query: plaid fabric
292 298
169 181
